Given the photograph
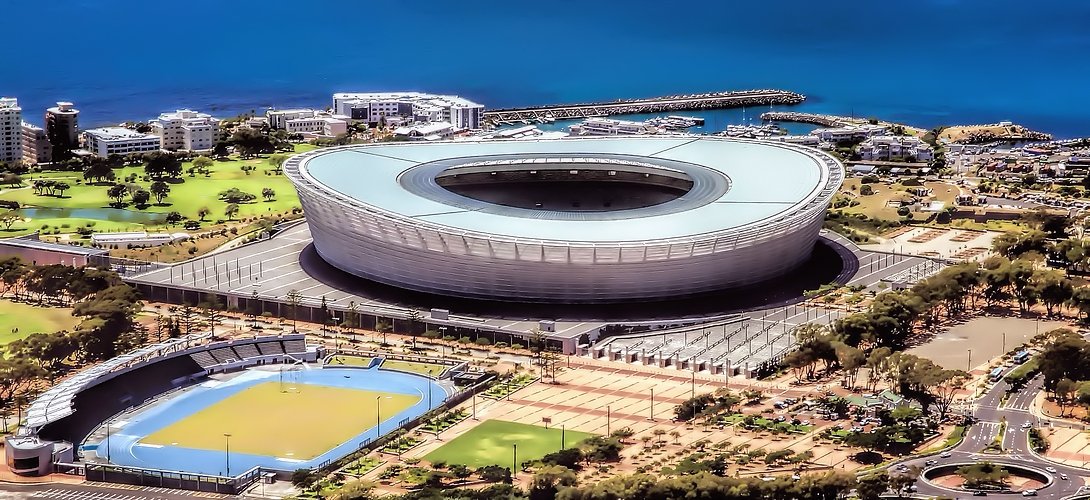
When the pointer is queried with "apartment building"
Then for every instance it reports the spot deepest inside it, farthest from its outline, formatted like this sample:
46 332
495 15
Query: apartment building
36 146
186 130
117 140
376 107
11 130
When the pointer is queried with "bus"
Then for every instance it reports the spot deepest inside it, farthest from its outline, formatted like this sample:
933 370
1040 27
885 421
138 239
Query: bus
1022 356
997 373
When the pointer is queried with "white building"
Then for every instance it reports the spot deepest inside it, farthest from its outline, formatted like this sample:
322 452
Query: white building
895 147
278 118
319 126
36 146
849 132
110 140
136 239
186 130
11 130
425 131
373 108
609 126
307 122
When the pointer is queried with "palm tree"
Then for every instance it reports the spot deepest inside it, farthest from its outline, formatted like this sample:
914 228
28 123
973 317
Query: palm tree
658 435
675 434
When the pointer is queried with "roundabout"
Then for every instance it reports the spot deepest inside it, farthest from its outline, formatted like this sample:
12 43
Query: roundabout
1018 478
586 220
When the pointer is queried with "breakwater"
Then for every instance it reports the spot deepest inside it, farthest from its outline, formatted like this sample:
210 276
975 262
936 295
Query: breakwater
712 100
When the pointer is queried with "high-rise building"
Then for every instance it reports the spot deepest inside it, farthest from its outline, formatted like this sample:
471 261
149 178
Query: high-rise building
36 146
186 130
11 130
62 126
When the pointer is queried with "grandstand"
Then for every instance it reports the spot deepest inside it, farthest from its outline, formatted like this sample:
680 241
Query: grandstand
734 345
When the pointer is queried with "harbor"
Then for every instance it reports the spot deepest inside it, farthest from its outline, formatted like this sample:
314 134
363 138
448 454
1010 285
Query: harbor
665 104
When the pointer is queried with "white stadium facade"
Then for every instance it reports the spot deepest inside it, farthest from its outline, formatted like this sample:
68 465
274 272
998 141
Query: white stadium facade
574 220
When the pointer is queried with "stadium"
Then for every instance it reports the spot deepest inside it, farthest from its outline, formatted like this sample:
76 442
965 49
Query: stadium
180 413
577 220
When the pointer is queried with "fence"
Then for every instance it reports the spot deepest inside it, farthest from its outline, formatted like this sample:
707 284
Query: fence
172 479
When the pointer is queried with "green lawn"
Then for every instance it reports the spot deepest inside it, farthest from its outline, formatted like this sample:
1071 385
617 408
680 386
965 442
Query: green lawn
31 319
346 360
491 443
429 369
298 424
187 196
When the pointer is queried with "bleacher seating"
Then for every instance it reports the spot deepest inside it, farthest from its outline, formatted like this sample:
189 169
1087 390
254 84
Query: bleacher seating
246 351
295 346
204 359
270 348
224 354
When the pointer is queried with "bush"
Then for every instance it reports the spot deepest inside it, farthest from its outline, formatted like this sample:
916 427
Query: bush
482 341
866 190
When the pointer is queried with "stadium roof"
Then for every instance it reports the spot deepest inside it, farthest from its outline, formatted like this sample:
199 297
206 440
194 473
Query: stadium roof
764 182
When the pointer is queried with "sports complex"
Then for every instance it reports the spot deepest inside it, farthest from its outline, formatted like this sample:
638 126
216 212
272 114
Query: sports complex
194 410
569 220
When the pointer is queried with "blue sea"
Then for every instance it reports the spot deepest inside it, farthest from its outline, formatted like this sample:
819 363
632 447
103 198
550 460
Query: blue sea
924 62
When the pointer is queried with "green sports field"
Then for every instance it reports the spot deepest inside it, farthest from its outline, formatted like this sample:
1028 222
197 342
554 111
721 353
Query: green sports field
301 424
490 443
31 319
428 369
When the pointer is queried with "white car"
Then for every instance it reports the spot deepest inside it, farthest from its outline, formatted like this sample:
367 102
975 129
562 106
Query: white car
1063 476
1051 469
1029 493
1027 425
945 454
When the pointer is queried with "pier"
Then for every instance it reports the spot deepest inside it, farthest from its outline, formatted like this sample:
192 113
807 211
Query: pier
811 118
713 100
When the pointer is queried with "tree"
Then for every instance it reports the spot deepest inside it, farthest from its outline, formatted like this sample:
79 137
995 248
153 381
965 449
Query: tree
17 376
235 195
117 192
294 298
1066 391
268 194
174 217
231 210
277 162
98 171
202 164
162 164
383 327
211 307
9 218
141 197
548 480
60 187
160 190
414 319
203 212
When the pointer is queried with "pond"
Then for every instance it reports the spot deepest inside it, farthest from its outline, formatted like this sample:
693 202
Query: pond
110 214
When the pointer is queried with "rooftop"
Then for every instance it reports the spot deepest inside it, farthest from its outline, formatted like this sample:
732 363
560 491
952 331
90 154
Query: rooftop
740 183
53 247
117 134
449 100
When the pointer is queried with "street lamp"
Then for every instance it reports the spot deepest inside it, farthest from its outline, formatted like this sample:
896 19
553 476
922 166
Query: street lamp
514 458
227 452
652 404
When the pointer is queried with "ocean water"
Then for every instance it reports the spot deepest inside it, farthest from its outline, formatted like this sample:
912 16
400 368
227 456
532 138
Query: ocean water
924 62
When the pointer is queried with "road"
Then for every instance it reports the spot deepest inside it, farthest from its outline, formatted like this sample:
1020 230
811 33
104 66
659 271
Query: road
990 411
58 491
